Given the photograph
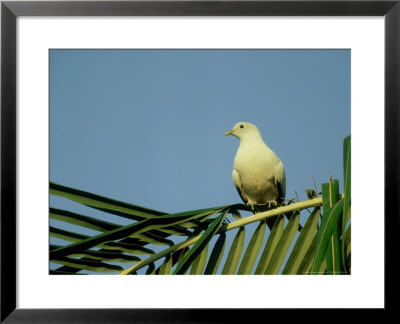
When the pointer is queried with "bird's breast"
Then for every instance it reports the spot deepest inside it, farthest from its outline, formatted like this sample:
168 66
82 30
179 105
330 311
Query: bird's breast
250 160
256 168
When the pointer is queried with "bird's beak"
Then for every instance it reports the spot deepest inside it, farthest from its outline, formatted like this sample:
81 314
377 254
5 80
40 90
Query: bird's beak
228 133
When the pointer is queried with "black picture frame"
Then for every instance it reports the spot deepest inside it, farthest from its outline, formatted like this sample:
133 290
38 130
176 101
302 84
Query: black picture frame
10 10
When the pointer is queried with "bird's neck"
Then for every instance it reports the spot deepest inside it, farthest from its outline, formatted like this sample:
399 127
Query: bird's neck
252 139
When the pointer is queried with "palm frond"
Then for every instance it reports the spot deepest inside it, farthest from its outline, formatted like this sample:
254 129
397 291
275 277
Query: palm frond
203 241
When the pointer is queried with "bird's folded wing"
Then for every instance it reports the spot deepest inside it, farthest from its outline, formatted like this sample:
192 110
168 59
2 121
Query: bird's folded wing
280 180
238 184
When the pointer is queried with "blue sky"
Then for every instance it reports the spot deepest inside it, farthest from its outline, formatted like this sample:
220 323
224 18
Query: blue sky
147 126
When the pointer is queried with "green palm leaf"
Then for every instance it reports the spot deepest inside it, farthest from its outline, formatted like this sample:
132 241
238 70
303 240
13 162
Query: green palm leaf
303 244
253 248
197 241
235 252
80 220
200 262
107 256
328 225
272 242
347 200
130 211
306 262
166 267
89 265
200 244
133 229
216 255
283 245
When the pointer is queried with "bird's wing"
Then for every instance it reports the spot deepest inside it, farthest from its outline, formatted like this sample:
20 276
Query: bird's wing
238 184
280 181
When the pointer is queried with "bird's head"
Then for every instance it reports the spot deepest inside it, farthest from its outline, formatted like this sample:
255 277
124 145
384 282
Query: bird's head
244 129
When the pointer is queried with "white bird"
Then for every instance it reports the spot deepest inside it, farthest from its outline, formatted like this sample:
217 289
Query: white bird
258 173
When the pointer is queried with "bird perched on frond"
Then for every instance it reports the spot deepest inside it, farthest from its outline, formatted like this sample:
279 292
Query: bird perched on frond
258 173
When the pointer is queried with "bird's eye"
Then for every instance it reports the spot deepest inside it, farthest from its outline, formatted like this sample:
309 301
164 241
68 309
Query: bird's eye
241 126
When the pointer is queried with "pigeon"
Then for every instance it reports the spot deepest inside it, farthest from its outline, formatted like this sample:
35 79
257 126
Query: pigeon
258 174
